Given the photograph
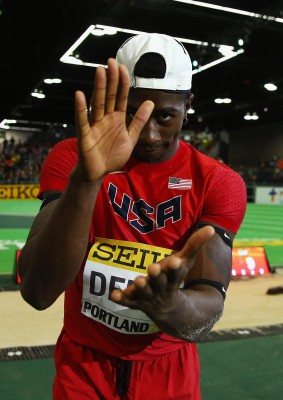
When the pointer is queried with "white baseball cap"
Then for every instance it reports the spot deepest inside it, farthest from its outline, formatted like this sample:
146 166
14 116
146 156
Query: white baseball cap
178 75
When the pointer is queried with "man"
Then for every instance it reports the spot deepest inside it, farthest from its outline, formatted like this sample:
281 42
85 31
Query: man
136 227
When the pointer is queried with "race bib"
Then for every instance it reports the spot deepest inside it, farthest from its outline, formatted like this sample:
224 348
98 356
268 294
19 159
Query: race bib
114 264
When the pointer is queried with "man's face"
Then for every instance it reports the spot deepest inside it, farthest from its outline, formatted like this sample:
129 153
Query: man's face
158 140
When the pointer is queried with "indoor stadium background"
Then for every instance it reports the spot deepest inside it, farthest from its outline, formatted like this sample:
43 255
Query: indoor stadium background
49 49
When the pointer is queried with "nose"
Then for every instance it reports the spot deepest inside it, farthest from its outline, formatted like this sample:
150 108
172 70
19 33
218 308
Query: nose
150 133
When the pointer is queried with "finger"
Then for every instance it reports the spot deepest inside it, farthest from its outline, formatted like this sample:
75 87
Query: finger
140 119
195 242
175 272
97 105
143 288
159 284
123 89
81 114
119 297
176 276
112 85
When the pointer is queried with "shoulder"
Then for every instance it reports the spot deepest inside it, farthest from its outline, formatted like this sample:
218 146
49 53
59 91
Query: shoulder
66 150
207 166
67 145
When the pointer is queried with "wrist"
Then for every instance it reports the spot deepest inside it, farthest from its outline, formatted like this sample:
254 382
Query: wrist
78 178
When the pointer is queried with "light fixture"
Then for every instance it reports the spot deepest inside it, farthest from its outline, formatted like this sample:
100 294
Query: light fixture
73 60
232 10
226 100
270 87
69 58
107 30
191 111
226 50
5 123
38 94
50 81
98 32
251 117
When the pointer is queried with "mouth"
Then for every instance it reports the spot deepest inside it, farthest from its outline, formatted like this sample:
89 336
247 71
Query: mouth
148 153
150 147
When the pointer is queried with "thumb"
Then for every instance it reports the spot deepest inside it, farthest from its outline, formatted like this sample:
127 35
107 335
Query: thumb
140 119
194 243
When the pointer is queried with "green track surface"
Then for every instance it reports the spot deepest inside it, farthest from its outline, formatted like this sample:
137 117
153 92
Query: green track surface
242 369
262 226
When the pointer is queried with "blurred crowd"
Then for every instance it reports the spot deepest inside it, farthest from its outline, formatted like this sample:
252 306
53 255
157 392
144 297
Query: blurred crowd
21 160
268 171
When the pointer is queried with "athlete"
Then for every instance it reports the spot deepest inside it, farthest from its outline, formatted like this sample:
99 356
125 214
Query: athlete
136 227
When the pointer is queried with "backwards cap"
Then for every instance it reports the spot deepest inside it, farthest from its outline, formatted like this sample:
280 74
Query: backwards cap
178 74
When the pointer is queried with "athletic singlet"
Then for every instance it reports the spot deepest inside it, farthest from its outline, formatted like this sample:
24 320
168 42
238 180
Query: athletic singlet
142 213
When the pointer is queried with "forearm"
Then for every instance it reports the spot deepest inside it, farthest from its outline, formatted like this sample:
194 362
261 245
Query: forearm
52 257
193 317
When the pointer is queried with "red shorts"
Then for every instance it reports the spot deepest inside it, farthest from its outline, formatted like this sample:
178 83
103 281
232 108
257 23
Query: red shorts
86 374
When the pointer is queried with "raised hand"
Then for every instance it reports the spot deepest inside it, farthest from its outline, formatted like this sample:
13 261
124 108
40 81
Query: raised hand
158 292
105 142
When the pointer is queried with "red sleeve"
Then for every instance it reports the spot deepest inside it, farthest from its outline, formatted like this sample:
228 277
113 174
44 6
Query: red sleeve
226 199
58 165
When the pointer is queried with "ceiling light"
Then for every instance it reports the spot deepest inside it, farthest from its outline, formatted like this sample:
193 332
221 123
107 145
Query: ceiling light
54 80
240 42
226 100
220 60
191 111
38 94
70 59
104 30
231 10
110 30
270 87
98 32
250 117
5 122
226 50
195 63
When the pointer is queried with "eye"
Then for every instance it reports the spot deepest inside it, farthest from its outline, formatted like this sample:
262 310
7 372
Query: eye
164 117
130 115
131 112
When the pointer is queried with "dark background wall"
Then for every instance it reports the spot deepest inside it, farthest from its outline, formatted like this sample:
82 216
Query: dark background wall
249 145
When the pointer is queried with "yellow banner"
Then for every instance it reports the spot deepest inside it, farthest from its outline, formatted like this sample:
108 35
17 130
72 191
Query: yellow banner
127 255
18 192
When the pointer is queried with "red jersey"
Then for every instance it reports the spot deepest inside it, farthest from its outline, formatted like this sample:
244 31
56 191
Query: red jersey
141 214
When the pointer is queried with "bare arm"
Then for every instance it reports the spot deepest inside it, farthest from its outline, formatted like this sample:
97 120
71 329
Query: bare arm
57 244
58 240
187 314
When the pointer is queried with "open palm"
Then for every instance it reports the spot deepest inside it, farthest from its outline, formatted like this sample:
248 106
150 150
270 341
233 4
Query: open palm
105 143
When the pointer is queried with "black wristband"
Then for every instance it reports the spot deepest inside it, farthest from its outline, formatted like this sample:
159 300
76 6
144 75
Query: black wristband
221 232
50 198
215 284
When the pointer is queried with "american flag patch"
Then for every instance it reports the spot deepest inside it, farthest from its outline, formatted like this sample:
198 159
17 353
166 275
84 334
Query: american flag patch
179 183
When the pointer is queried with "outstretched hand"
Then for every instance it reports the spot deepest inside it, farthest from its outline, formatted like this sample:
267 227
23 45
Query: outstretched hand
158 292
105 143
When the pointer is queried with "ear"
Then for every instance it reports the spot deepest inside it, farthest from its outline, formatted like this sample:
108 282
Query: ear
188 102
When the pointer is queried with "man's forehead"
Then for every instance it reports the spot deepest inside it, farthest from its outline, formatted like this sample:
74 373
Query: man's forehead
160 97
